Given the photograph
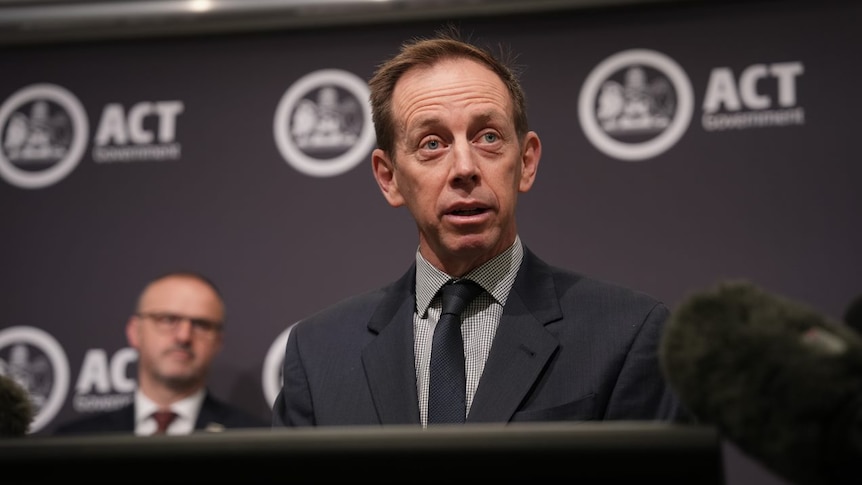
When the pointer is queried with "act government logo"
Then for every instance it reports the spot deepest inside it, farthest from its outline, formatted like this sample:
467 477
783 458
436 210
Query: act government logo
35 360
271 375
43 135
635 104
323 125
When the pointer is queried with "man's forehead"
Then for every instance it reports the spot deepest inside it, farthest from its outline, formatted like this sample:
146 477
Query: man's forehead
177 288
481 117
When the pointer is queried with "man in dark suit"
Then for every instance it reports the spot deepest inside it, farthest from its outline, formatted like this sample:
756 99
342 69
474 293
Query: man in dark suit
540 343
177 329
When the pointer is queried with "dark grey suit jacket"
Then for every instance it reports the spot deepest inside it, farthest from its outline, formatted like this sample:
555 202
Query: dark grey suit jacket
568 348
214 415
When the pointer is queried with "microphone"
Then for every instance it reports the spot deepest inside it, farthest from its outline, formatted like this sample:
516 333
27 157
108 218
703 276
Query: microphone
774 377
853 314
16 409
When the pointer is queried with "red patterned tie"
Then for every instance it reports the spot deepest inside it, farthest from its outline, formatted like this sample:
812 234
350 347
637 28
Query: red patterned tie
163 420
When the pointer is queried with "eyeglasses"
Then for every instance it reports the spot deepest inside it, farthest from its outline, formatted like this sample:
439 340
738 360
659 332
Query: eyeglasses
168 322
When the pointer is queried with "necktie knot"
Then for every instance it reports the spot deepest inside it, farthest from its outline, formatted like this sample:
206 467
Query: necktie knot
456 295
163 420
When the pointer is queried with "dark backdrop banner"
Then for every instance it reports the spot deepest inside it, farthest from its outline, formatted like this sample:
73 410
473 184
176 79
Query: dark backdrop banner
683 146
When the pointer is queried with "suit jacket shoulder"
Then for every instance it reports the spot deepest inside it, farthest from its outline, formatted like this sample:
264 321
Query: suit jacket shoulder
214 415
120 420
217 415
607 334
364 306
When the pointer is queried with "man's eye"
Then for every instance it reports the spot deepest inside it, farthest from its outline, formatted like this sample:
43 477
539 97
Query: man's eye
206 325
432 144
490 137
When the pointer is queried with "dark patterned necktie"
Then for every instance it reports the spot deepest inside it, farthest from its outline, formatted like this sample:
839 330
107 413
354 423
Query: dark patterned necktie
163 420
447 384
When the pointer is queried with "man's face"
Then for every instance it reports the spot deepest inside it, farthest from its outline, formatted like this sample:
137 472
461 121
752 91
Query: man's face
458 165
174 350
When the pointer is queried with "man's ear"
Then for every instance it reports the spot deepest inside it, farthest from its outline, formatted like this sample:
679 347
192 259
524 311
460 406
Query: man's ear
384 172
530 156
133 331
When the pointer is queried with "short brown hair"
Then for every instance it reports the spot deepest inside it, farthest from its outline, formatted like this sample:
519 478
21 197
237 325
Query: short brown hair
446 44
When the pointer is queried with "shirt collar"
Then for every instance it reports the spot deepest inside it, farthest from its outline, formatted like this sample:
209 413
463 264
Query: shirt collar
494 276
185 408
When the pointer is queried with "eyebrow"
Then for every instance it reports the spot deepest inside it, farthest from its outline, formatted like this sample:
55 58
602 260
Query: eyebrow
487 117
426 122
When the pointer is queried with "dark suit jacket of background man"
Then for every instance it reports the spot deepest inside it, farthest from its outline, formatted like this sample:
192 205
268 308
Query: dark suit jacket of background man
214 415
568 348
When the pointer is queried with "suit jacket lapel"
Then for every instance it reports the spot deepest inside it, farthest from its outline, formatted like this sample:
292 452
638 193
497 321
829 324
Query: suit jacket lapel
123 419
388 359
521 347
210 415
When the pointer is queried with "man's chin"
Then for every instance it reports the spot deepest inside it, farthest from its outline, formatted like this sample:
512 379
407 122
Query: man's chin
179 381
476 245
467 253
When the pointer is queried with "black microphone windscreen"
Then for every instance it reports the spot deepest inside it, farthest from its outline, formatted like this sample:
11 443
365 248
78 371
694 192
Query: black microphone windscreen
775 377
853 314
16 409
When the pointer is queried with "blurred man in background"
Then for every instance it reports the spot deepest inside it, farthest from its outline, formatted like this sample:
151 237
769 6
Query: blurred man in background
177 329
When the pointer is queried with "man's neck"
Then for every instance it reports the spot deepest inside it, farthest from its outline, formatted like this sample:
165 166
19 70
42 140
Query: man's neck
164 395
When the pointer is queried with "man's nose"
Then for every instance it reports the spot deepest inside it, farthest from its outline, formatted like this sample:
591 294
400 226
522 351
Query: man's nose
184 329
464 162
